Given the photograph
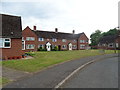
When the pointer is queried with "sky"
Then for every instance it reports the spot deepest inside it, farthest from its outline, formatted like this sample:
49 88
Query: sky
66 15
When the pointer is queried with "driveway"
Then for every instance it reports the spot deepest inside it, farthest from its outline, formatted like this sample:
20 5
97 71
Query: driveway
50 77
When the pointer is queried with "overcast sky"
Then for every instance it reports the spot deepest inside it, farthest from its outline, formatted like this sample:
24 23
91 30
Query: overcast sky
66 15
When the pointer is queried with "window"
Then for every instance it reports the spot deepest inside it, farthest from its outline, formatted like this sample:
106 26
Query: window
41 45
63 40
23 44
110 45
63 46
82 46
1 42
30 38
5 42
22 38
40 39
74 46
86 41
82 41
117 45
53 46
74 41
54 40
30 46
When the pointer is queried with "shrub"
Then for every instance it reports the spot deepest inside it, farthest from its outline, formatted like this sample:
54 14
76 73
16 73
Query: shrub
30 53
42 49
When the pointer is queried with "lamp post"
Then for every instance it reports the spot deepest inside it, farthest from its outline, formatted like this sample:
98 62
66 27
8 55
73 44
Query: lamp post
118 36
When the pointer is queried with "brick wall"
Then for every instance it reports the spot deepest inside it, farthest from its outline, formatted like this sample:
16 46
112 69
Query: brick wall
15 50
83 37
28 33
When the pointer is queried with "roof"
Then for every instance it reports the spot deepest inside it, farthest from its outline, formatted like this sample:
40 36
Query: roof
108 39
11 26
58 35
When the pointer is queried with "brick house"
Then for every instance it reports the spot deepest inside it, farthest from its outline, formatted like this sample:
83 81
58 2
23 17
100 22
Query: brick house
10 37
33 39
110 42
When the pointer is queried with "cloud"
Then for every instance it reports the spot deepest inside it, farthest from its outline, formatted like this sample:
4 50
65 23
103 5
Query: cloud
81 15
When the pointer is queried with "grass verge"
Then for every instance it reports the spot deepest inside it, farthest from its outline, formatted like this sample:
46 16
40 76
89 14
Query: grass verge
3 80
42 60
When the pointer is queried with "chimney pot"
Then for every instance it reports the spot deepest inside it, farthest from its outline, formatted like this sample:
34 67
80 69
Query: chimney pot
56 30
73 32
34 27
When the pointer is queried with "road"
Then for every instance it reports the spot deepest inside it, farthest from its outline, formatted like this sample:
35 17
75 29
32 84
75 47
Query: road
50 77
101 74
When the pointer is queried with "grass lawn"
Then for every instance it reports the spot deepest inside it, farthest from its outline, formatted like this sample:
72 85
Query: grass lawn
42 59
3 80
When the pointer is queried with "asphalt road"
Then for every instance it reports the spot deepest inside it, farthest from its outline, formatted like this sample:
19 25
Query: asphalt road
101 74
50 77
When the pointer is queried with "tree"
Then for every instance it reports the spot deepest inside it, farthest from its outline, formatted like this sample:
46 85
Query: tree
95 37
110 32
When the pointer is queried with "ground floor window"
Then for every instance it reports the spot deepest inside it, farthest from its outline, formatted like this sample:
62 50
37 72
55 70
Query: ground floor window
23 44
74 46
5 42
82 46
117 45
41 46
64 46
30 46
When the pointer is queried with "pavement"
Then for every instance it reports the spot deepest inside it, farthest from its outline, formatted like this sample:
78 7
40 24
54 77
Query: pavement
50 77
13 74
101 74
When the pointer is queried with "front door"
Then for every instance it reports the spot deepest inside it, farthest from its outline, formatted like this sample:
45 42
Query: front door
48 46
70 46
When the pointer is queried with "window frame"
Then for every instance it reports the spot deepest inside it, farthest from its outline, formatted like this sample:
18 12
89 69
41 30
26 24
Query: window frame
82 46
30 44
54 39
64 47
23 42
30 39
3 42
40 39
64 40
82 41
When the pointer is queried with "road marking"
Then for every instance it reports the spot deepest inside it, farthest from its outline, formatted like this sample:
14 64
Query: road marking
76 70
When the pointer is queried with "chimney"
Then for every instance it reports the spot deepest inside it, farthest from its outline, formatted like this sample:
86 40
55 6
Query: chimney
56 30
34 27
73 31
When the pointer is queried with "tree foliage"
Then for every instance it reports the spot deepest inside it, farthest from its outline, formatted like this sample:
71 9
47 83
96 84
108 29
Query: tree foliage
98 34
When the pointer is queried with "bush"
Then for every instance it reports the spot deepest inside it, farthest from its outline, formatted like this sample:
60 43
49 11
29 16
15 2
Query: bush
30 54
42 49
55 48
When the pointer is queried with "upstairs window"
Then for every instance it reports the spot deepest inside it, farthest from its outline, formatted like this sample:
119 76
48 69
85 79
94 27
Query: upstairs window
40 39
74 41
54 40
82 41
30 38
64 40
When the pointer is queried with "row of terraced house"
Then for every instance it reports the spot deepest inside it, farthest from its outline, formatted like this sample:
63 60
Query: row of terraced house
14 41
